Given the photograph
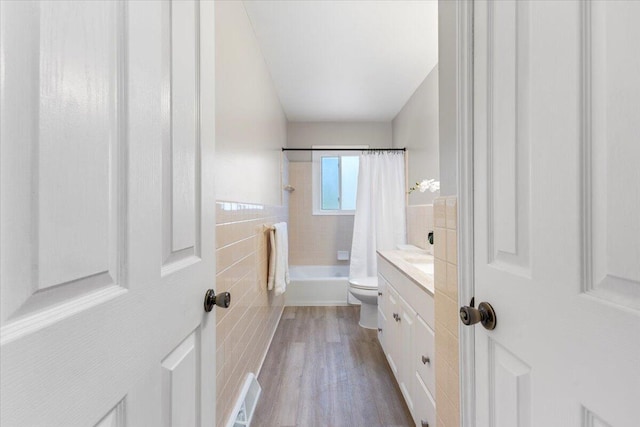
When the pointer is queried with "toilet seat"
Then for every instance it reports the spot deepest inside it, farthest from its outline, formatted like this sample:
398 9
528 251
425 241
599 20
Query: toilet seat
365 283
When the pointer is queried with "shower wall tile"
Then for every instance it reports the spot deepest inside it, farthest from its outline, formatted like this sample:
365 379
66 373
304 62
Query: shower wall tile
419 224
440 274
451 212
314 239
452 245
244 329
439 212
446 307
440 243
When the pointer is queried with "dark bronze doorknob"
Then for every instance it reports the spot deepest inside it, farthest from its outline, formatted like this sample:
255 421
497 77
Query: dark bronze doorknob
483 314
223 300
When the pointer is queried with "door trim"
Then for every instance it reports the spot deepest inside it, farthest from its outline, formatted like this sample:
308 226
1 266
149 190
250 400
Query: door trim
464 131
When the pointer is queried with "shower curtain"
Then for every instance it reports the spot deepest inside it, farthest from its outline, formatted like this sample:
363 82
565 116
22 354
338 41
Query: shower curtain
380 222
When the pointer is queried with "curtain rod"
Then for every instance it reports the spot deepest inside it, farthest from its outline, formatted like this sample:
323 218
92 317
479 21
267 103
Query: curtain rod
344 149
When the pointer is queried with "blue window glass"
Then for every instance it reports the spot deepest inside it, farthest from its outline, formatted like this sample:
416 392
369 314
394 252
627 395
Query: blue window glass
339 180
331 183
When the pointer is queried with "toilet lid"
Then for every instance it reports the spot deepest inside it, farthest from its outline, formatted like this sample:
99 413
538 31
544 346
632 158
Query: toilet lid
364 282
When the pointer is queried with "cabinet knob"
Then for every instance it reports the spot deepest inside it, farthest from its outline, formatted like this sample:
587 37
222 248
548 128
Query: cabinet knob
379 294
424 423
398 318
395 316
425 360
379 329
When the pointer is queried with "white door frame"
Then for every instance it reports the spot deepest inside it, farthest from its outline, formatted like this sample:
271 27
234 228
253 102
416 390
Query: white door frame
464 135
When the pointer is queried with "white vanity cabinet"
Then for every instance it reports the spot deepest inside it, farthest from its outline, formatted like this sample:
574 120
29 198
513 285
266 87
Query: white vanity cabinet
405 331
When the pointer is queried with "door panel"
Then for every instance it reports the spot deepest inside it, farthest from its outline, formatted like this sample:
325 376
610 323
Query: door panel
612 266
98 327
180 382
181 198
115 417
510 398
62 204
557 240
508 137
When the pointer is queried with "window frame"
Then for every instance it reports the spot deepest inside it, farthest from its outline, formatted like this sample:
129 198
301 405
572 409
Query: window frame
316 177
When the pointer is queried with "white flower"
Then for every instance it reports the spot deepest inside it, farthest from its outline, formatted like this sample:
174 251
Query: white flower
426 184
429 184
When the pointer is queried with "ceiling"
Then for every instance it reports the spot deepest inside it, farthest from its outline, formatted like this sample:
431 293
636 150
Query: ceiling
346 60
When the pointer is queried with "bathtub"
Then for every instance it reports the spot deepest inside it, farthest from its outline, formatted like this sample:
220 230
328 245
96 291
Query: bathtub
317 285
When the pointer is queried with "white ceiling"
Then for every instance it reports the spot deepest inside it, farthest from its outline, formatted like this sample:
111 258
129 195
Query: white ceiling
346 60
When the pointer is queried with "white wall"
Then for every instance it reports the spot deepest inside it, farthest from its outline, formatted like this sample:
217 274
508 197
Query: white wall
306 134
447 51
250 122
416 127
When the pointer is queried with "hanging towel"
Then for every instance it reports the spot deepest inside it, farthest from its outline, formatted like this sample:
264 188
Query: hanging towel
278 258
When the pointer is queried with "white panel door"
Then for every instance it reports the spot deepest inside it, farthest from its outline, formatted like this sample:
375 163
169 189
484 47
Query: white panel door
107 213
557 212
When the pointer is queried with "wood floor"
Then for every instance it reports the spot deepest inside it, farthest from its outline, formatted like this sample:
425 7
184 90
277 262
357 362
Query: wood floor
322 369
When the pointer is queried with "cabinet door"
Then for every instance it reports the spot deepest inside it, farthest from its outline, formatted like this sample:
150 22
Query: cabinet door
393 338
383 321
425 407
424 353
407 321
382 287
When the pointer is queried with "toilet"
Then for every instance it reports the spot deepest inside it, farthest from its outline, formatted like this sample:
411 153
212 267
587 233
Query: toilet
365 289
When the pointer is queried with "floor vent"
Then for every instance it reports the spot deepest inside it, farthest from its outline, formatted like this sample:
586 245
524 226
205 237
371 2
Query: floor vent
246 404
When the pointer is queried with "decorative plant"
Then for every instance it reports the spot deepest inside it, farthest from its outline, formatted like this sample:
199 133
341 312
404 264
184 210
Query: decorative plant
426 184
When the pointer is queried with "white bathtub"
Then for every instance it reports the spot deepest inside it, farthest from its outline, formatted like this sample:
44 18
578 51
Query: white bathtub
317 285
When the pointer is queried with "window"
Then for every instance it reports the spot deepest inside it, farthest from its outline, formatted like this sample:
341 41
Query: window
335 181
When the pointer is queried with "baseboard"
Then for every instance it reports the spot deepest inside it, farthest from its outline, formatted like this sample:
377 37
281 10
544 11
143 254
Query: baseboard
318 304
273 334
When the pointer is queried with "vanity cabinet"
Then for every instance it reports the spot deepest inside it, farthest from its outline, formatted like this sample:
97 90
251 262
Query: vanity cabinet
405 332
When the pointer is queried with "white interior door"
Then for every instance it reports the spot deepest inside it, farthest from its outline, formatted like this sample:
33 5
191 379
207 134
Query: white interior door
557 208
107 213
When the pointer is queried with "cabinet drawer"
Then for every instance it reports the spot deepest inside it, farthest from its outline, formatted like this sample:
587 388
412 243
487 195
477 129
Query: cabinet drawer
421 300
424 340
425 407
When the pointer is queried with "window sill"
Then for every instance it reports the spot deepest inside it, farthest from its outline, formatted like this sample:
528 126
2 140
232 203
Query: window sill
316 212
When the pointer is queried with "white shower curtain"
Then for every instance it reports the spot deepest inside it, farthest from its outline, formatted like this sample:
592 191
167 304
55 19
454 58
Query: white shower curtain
380 222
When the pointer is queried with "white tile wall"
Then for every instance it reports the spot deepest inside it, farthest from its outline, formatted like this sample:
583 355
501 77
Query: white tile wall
446 305
244 329
314 239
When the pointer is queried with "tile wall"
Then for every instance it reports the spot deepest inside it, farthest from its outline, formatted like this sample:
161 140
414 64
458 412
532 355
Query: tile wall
314 239
244 330
446 306
419 223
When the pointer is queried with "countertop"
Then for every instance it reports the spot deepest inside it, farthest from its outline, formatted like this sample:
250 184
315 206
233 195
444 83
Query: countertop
417 265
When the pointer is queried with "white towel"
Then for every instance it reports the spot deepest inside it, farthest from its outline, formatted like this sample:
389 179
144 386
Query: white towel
279 258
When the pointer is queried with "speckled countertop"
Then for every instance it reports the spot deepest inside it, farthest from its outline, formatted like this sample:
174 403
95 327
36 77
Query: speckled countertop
416 265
